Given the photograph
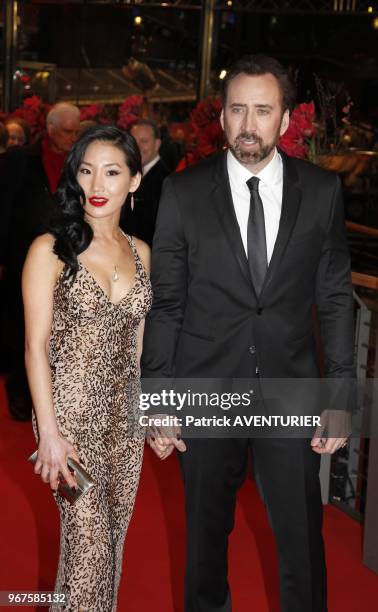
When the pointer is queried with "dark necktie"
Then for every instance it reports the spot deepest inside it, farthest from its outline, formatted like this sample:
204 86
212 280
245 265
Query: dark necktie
257 257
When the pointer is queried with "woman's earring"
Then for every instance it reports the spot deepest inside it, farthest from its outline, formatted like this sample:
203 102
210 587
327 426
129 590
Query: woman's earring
132 201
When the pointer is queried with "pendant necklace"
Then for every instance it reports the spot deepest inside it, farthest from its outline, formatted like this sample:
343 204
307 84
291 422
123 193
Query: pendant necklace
115 275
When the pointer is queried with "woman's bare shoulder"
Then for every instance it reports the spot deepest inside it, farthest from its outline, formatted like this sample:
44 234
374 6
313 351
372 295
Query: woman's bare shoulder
41 251
144 252
43 243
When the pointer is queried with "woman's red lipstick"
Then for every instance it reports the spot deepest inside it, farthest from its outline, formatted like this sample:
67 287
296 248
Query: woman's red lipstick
97 201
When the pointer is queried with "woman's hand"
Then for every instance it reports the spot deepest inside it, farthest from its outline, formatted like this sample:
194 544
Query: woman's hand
51 463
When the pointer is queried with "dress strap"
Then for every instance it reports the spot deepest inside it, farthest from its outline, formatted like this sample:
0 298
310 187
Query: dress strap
131 242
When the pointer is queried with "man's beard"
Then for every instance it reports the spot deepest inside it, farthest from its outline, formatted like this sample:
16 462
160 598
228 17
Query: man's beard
252 157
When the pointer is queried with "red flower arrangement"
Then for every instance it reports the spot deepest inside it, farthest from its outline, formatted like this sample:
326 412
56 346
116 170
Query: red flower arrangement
205 113
205 132
92 112
129 111
298 139
34 112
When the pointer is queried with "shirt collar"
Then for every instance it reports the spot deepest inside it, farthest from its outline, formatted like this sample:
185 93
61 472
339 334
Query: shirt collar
271 174
150 164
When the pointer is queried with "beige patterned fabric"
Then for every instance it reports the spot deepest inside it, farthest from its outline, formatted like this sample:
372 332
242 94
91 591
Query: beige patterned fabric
93 359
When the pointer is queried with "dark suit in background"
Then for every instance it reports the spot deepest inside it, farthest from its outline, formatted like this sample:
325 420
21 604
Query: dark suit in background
141 221
33 177
4 213
26 213
207 321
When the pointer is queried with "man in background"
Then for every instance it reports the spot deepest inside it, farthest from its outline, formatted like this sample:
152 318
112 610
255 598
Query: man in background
139 220
34 172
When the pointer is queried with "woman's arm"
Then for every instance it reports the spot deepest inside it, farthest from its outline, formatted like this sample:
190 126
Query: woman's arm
40 274
144 253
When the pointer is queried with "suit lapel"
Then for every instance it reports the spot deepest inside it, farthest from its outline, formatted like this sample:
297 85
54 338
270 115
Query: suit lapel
224 206
291 198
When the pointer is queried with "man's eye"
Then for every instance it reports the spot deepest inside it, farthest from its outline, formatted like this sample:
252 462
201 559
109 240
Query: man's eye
113 172
263 111
237 109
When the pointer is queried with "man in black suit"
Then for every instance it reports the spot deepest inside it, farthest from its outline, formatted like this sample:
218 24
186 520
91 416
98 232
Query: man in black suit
246 243
34 172
139 219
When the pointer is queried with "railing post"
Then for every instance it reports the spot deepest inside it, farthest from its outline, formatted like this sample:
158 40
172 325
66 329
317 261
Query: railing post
9 52
370 549
206 47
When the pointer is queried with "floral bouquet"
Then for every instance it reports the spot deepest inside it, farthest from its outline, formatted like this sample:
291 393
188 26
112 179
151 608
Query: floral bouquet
92 112
34 112
131 110
205 134
299 138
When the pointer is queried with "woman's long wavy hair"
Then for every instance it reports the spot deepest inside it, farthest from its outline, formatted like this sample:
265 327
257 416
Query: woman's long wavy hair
72 233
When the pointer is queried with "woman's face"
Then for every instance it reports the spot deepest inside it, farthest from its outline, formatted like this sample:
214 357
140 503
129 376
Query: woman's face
16 135
105 179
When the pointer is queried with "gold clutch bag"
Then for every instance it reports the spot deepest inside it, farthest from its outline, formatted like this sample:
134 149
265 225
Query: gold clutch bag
84 481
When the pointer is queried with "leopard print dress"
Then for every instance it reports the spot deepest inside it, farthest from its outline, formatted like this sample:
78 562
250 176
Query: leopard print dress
95 378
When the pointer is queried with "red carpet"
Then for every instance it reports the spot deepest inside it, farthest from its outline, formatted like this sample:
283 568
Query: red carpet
154 553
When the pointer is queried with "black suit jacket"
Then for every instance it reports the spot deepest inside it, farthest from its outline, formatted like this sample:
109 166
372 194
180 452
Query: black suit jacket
26 213
4 202
29 204
206 318
141 221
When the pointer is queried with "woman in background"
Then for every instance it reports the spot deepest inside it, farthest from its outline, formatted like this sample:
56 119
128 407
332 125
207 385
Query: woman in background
86 293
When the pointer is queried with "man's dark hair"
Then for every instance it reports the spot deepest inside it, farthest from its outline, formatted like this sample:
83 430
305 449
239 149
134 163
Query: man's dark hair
255 65
149 123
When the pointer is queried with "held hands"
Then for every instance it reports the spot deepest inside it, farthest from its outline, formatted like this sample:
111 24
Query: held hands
51 463
333 432
163 439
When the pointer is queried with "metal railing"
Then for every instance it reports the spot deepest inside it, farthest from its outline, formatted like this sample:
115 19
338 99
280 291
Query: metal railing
353 471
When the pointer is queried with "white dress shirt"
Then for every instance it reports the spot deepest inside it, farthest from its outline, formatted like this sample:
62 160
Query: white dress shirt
270 190
150 165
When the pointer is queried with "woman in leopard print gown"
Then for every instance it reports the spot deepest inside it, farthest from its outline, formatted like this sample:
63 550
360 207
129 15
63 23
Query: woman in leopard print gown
86 293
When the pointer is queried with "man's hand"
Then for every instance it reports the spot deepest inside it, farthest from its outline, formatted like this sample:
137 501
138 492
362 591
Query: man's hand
327 445
333 432
164 439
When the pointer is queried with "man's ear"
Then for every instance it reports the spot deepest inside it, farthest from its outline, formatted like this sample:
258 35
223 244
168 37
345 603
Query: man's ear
221 119
284 122
135 182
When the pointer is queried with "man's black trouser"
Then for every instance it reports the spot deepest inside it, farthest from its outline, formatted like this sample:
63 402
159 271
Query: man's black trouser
288 473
